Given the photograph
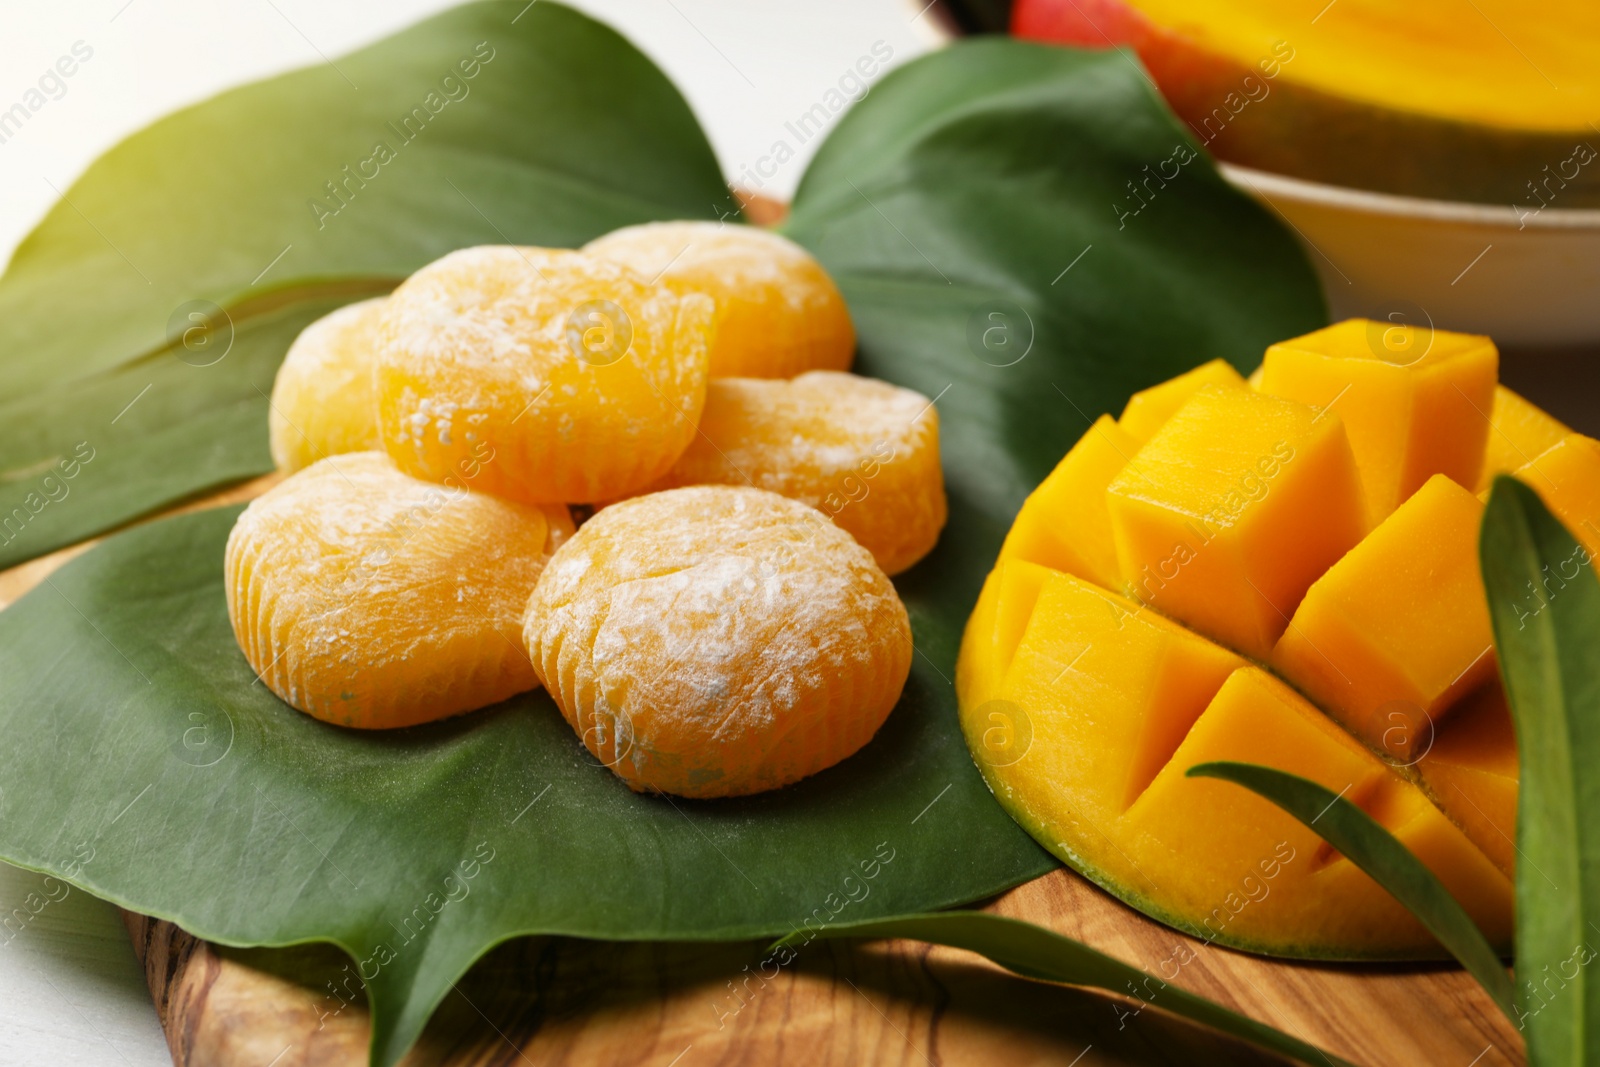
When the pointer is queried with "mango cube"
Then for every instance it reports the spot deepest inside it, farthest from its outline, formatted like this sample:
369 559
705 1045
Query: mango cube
1415 402
1148 410
1232 510
1567 478
1064 523
1398 629
1472 772
995 628
1113 687
1519 432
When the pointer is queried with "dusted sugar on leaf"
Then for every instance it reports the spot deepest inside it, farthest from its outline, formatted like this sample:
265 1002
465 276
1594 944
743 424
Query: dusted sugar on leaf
864 452
718 641
1065 523
323 402
1415 402
1567 478
1149 409
368 598
1519 433
1232 510
778 312
544 376
1398 630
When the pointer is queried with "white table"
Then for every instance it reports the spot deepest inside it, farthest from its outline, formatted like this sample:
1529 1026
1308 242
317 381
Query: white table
71 990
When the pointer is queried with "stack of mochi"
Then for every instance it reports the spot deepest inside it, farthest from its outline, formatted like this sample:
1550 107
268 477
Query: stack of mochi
723 623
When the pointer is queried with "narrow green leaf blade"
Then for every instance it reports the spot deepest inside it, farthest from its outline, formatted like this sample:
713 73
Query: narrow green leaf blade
1545 606
1363 841
1035 952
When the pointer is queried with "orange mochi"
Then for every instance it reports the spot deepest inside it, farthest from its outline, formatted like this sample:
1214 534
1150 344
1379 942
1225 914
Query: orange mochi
862 451
540 375
778 312
322 400
367 598
718 640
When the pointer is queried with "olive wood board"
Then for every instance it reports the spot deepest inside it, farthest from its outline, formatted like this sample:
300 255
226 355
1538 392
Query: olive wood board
553 1000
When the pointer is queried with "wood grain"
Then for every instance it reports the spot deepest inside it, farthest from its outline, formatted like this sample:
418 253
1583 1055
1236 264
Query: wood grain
554 1001
549 1001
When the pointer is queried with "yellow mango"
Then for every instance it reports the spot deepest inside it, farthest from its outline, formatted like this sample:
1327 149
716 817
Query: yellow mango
1398 630
1064 523
1415 402
1567 478
1471 769
1226 516
1242 531
1149 409
1518 433
1003 609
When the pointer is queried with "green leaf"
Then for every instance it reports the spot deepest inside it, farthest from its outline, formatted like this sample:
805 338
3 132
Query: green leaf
1545 606
136 735
1035 952
564 132
1363 841
989 180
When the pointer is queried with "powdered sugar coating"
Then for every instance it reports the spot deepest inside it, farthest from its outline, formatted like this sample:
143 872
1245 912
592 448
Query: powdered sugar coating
322 399
368 598
552 375
718 641
862 451
778 312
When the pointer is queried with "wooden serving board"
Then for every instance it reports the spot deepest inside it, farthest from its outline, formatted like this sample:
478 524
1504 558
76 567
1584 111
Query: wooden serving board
549 1000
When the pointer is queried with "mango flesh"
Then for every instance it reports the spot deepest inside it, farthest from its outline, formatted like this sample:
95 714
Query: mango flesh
1398 630
1519 432
1085 700
1083 544
1472 770
1488 102
1567 478
1149 409
1415 402
1086 731
1226 516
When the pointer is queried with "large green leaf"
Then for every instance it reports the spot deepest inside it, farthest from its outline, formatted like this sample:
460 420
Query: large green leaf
563 132
978 202
1364 841
1545 605
1035 952
134 728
